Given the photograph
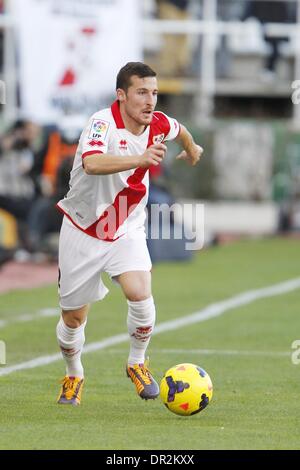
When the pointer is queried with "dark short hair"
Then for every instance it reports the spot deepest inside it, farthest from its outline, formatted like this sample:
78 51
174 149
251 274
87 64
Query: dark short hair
133 68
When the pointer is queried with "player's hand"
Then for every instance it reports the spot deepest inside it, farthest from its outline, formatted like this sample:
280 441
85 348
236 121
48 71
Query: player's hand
153 156
192 156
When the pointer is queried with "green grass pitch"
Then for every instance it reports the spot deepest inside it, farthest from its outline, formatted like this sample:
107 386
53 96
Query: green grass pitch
248 356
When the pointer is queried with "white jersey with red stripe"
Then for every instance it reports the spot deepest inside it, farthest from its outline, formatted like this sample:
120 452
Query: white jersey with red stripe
109 206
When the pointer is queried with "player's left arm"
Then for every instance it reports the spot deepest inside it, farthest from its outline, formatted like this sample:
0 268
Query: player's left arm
191 151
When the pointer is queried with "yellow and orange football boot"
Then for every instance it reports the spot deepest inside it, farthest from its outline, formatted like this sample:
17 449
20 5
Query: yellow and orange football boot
145 384
71 391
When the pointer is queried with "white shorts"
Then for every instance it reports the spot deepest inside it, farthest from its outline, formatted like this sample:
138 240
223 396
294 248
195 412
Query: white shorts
83 258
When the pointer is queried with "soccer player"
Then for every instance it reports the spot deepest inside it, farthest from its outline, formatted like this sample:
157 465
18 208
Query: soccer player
103 228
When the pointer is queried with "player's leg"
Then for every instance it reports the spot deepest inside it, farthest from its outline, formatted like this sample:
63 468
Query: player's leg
136 286
80 284
71 338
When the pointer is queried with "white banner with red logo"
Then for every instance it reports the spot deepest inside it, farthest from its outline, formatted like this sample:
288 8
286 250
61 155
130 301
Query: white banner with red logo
70 52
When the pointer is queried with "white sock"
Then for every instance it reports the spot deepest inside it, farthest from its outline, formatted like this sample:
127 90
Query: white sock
140 323
71 341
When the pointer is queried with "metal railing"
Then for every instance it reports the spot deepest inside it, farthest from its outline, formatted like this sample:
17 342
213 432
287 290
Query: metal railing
210 28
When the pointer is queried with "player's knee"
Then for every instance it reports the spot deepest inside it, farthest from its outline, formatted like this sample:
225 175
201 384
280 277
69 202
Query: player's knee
74 318
73 321
137 295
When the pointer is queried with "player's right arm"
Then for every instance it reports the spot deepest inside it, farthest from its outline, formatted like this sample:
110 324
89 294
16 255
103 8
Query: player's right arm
106 164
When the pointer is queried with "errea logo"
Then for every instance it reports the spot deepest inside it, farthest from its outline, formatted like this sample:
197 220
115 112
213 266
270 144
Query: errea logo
95 143
123 144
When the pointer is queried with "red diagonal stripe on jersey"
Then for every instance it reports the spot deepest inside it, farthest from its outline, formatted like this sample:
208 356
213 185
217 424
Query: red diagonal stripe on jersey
135 191
180 368
104 228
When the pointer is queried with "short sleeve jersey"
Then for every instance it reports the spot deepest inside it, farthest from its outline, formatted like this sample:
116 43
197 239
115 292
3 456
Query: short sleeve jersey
108 206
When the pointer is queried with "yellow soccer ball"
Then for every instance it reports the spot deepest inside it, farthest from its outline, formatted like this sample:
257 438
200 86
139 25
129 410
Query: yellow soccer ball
186 389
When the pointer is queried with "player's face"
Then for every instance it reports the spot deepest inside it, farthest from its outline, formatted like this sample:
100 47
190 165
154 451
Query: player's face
140 100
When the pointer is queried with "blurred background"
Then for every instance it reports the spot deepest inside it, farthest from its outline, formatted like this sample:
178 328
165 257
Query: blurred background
228 69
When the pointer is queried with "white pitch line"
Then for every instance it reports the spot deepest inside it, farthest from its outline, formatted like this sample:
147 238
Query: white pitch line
27 317
208 352
211 311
